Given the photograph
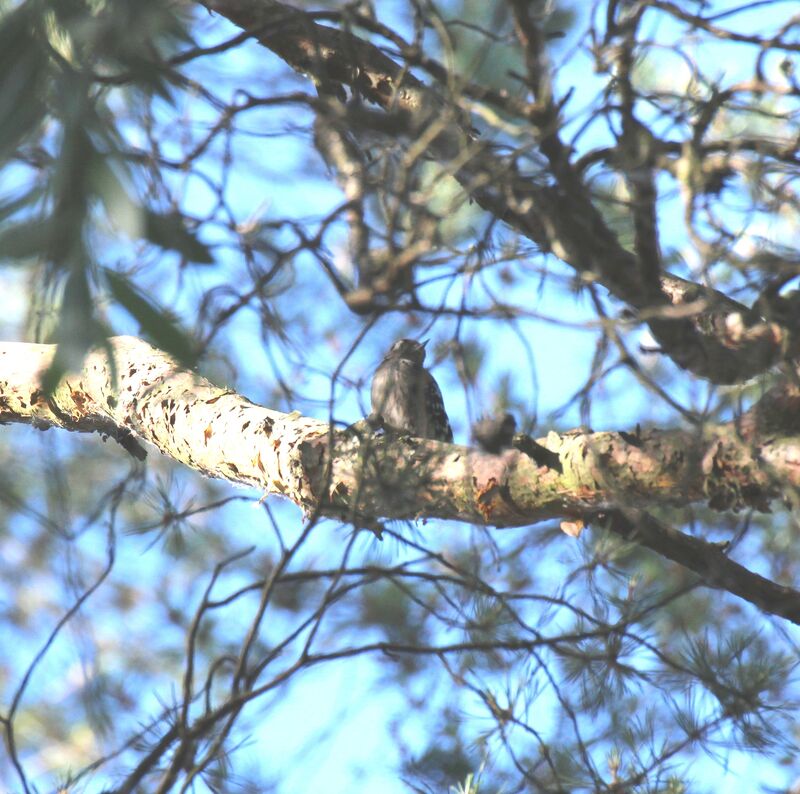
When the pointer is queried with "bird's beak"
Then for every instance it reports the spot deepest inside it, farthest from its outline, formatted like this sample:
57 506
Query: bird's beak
424 342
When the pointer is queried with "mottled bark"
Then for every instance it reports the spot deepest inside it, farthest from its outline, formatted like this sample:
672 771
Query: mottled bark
356 475
606 478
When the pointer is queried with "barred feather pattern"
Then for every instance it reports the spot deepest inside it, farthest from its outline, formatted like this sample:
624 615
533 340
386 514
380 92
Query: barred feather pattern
407 396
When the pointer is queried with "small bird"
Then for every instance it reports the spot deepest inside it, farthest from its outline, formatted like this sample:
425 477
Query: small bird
494 433
405 395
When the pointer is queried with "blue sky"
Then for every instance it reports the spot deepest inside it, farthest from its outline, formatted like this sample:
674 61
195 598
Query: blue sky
357 752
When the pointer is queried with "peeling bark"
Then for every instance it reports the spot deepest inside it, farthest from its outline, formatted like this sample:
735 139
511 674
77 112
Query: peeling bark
355 476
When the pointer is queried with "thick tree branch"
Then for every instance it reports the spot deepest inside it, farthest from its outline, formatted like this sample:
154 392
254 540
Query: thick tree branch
359 477
350 475
708 560
560 218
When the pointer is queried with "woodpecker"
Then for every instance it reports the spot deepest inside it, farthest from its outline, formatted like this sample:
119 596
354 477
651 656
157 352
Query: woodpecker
406 396
494 433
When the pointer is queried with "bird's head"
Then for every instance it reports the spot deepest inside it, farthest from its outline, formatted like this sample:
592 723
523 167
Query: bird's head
408 350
